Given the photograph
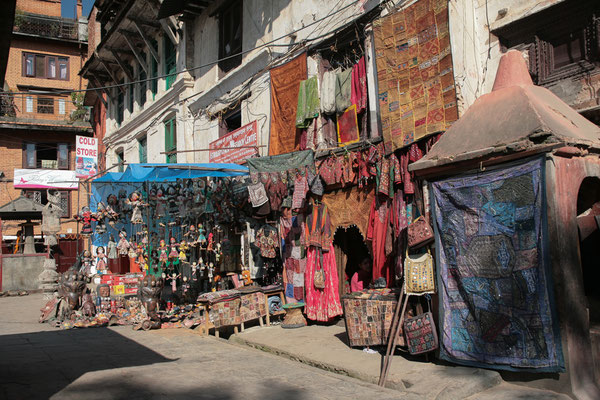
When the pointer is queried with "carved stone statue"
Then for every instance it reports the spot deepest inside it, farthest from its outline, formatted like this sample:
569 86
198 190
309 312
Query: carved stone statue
87 306
149 294
71 286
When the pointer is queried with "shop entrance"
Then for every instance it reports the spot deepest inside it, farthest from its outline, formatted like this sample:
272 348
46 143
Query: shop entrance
350 250
588 204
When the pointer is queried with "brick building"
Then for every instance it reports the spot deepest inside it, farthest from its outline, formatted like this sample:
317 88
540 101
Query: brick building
39 115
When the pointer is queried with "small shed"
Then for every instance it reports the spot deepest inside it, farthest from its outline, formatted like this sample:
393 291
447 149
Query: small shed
20 271
516 124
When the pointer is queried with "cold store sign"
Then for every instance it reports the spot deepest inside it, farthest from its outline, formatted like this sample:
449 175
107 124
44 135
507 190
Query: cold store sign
86 156
236 146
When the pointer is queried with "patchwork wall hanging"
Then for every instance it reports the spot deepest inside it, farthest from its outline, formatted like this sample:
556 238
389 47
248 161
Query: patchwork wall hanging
496 304
417 96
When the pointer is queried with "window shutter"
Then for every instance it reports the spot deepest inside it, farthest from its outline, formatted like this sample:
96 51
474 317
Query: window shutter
65 204
29 104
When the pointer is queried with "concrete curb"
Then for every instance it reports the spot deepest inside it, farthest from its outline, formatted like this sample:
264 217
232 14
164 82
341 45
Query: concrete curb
317 364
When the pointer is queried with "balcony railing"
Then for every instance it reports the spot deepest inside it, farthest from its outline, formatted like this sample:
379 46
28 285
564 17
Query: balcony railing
52 27
25 106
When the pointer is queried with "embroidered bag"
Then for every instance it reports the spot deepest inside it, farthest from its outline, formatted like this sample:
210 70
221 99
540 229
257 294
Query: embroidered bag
420 332
419 274
326 171
257 194
419 233
319 279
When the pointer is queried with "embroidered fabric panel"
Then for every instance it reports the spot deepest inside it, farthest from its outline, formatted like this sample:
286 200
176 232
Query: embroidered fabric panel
417 96
368 322
495 288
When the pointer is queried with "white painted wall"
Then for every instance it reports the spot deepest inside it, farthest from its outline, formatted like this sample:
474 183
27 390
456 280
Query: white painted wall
475 51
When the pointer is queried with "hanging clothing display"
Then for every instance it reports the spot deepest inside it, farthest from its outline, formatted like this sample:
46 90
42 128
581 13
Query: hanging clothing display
343 90
358 95
308 102
285 83
328 91
321 304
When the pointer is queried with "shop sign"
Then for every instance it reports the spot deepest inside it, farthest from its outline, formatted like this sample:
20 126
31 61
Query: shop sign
227 149
86 156
45 179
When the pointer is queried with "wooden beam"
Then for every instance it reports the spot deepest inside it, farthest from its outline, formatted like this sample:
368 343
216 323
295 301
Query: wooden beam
136 53
147 41
146 22
112 76
169 32
126 52
123 66
99 92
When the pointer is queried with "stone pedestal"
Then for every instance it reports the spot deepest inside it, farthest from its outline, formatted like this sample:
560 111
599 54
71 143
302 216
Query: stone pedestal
49 279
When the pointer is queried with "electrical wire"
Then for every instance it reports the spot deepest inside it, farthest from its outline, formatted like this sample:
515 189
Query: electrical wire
267 44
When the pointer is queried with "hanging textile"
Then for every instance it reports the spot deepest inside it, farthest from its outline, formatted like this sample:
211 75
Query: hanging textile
496 294
308 102
350 207
285 83
348 127
328 86
358 95
417 96
343 90
379 233
284 162
321 304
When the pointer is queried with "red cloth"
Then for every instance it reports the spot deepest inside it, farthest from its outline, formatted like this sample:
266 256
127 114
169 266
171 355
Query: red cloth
322 304
358 94
379 220
360 280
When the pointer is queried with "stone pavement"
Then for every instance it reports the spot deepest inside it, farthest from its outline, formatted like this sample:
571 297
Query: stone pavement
326 347
40 362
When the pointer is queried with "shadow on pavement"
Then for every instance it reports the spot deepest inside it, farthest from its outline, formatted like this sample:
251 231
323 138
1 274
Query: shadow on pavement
38 365
128 390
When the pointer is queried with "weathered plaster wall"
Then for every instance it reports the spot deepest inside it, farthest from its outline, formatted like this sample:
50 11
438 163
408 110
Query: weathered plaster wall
21 272
475 51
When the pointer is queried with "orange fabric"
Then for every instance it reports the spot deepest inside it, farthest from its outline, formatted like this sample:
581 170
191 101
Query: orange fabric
285 84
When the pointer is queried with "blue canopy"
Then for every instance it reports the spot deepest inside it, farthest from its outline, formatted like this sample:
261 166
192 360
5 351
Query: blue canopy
171 172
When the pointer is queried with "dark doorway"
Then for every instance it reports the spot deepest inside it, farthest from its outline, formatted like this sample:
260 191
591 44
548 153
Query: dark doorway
350 250
587 199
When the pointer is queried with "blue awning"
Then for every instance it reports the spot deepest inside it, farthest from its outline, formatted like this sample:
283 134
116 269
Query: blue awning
171 172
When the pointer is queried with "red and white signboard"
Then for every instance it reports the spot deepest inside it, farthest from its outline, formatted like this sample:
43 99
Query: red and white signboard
86 156
228 148
45 179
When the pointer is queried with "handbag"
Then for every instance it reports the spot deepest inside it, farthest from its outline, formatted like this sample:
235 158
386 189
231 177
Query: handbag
419 275
326 170
420 332
319 280
419 233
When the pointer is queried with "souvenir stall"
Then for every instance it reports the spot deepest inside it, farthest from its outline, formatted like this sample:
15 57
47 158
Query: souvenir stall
512 208
179 241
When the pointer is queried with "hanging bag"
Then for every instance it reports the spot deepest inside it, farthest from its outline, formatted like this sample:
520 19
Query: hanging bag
420 332
419 274
419 233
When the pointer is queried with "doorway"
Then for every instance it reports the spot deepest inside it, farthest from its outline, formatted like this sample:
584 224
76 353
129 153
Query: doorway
350 249
588 207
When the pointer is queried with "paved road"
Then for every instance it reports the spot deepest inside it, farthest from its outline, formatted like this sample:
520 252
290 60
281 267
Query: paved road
37 361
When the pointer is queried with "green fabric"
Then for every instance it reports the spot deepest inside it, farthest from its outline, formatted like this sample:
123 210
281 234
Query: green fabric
283 162
343 90
308 102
